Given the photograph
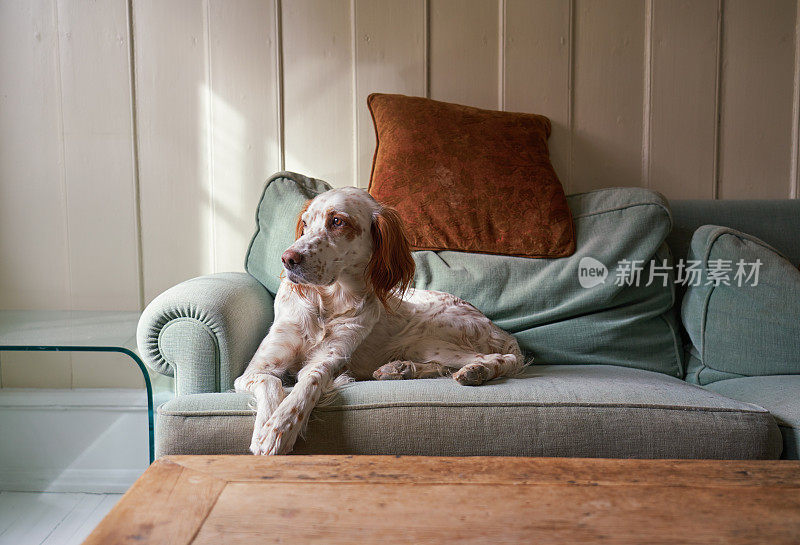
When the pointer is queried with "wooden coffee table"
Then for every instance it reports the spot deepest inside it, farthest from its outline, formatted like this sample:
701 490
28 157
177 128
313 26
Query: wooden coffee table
384 499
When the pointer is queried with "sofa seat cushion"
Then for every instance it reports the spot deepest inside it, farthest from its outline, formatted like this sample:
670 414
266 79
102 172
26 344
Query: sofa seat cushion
576 411
779 394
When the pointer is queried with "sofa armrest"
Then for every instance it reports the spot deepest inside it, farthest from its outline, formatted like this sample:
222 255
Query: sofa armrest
204 331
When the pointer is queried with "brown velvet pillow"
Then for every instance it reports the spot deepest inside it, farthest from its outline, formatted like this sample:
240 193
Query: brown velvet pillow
469 180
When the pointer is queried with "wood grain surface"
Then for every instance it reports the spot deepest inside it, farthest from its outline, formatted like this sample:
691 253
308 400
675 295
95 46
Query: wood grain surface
408 499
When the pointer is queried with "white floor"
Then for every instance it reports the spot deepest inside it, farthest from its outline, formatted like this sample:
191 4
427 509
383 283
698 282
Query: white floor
52 518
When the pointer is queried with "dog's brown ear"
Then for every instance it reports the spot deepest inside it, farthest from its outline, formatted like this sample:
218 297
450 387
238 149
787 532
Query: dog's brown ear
298 229
391 268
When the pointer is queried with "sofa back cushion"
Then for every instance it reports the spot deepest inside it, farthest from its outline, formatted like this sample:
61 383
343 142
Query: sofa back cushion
743 312
283 197
543 302
776 222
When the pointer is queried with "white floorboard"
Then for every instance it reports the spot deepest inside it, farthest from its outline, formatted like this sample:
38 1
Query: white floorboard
89 523
51 518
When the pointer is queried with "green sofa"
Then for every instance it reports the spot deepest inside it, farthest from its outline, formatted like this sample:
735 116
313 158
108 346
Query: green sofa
608 378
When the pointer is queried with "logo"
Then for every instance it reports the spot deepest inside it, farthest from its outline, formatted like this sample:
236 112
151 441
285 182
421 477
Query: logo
591 272
638 272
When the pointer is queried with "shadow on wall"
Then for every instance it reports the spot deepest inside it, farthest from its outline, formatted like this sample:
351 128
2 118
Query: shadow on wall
611 164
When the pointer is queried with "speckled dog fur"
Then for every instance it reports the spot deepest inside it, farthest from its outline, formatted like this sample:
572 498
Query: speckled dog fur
345 307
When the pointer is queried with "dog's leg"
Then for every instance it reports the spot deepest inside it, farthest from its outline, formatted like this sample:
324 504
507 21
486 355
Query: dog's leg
324 365
268 392
285 424
469 367
277 352
397 370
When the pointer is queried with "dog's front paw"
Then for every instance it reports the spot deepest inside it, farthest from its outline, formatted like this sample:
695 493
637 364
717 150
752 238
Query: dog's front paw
272 441
259 437
278 434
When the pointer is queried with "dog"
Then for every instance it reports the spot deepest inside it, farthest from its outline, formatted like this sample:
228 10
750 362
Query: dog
345 310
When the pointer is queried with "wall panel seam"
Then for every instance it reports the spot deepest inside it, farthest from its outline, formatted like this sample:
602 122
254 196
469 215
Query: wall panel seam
279 119
571 38
354 94
137 199
62 152
717 152
426 37
794 171
501 55
209 135
647 106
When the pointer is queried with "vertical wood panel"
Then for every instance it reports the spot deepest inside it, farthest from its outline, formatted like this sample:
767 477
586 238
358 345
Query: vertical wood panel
244 120
390 58
608 94
98 148
34 271
105 370
537 69
34 239
99 175
756 114
172 112
318 88
683 99
464 54
36 370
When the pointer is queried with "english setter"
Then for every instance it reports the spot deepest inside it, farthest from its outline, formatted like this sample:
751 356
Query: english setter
344 308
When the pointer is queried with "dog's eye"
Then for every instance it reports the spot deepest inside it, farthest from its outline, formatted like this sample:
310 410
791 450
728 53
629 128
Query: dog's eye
304 224
336 222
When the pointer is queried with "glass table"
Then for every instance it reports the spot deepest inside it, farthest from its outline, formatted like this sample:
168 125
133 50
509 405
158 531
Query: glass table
82 331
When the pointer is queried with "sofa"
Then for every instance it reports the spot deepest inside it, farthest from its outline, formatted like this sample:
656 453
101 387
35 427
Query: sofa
611 374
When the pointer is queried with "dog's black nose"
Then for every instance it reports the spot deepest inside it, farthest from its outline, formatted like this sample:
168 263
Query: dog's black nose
291 259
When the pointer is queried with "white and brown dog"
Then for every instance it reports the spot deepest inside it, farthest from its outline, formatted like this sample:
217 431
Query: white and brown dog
345 308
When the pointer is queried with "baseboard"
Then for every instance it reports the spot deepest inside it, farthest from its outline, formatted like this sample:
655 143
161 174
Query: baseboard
68 480
82 440
107 399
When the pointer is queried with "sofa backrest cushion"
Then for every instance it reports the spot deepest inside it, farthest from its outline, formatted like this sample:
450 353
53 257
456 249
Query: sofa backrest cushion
776 222
541 301
544 304
283 197
743 313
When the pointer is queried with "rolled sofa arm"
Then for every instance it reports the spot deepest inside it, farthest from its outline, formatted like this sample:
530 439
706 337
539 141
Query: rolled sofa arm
204 331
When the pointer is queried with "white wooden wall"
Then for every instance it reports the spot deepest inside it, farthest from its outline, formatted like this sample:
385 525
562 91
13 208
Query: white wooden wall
135 135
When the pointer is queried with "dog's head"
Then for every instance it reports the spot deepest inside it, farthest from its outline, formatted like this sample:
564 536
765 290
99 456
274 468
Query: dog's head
345 233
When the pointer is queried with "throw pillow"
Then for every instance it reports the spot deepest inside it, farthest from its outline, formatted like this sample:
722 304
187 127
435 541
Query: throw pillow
743 314
468 179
